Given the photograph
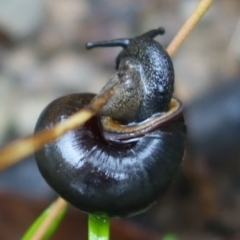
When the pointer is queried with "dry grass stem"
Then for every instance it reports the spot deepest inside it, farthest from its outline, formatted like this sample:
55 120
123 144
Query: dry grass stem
23 147
58 205
188 26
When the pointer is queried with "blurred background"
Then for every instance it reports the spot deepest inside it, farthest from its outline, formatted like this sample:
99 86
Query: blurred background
43 56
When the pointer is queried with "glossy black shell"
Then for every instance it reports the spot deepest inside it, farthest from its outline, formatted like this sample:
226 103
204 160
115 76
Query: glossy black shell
99 176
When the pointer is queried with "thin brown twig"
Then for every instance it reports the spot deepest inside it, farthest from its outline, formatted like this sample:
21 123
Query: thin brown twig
57 206
188 26
23 147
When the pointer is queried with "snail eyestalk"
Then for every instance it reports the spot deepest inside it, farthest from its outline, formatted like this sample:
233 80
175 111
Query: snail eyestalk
98 226
122 42
153 33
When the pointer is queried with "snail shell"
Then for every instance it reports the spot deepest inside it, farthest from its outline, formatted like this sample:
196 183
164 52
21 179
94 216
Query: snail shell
116 164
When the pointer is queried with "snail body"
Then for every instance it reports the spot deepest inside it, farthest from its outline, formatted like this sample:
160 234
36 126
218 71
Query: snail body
122 160
145 78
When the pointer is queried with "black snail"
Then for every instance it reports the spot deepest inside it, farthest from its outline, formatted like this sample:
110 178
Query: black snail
121 160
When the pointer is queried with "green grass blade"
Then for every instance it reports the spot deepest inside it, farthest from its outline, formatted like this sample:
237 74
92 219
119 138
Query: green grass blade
170 237
98 226
34 227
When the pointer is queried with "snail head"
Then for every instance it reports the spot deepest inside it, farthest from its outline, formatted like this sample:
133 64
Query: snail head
144 78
